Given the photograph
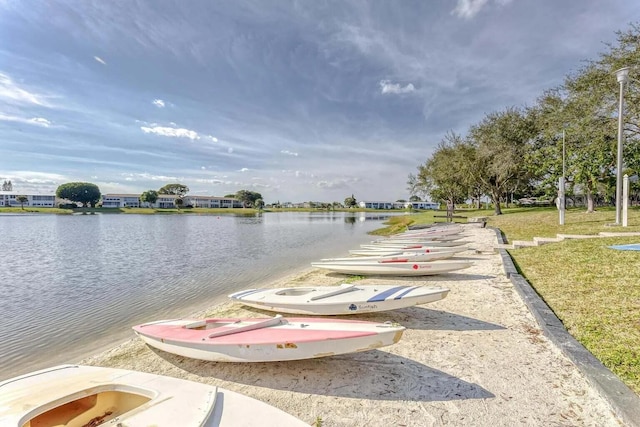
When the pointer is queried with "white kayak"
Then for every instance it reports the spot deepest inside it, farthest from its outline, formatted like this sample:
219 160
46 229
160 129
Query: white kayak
409 256
339 300
395 251
433 231
366 268
430 244
266 340
81 396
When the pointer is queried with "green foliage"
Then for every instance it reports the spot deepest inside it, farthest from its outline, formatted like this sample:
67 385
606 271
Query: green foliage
22 200
448 174
7 186
248 198
81 192
350 202
176 189
149 196
179 202
258 204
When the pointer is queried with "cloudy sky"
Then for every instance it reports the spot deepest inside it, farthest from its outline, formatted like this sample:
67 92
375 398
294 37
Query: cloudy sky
297 100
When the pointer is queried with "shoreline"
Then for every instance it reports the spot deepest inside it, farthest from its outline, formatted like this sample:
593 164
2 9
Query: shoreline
477 357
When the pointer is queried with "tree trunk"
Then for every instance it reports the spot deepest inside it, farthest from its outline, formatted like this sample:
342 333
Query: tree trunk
590 201
495 196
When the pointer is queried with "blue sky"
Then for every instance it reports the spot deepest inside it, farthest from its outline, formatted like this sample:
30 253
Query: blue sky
297 100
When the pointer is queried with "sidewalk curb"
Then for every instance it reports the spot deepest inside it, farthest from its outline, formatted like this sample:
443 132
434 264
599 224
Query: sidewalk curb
624 402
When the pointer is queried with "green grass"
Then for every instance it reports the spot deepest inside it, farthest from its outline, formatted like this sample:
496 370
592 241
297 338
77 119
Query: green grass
594 290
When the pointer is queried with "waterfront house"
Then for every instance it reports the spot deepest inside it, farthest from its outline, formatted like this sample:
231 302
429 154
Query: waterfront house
8 199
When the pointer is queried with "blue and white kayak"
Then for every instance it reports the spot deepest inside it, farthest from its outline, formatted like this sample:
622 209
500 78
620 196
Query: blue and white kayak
339 300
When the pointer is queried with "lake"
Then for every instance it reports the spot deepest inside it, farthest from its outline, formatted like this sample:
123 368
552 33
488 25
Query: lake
73 285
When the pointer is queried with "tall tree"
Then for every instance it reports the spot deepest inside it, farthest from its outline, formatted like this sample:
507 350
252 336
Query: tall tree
7 185
248 198
501 140
149 197
81 192
446 175
22 200
350 202
176 189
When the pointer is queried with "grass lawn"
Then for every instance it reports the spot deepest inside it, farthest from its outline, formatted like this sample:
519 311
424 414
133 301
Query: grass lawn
594 290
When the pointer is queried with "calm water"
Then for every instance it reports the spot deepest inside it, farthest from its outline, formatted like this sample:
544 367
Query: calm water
72 284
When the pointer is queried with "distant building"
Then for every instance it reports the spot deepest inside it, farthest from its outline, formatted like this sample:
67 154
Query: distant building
381 205
8 199
423 205
167 201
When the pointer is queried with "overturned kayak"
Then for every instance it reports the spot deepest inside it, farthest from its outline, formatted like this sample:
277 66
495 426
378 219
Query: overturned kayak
394 268
398 256
396 251
81 396
266 340
339 300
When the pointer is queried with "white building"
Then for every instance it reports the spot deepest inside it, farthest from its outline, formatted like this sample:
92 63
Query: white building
8 199
167 201
381 205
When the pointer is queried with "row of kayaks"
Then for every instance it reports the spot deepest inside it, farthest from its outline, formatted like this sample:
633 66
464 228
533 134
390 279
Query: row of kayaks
82 396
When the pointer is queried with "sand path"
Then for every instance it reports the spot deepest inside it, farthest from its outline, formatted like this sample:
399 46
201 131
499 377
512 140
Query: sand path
476 358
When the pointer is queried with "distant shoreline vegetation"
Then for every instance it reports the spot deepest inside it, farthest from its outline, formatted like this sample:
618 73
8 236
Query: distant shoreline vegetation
235 211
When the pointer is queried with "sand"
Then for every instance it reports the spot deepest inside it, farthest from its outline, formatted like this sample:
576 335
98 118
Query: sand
475 358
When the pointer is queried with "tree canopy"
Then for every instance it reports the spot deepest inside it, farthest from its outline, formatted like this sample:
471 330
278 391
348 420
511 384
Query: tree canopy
149 196
248 198
350 202
7 185
85 193
520 151
176 189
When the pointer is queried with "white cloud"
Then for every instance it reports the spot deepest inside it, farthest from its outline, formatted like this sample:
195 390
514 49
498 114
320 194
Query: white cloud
100 60
203 168
211 138
149 177
467 9
243 170
10 91
387 87
230 150
289 153
39 121
158 103
173 132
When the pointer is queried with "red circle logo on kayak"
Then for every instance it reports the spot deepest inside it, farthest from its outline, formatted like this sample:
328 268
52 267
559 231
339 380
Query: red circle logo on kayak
415 266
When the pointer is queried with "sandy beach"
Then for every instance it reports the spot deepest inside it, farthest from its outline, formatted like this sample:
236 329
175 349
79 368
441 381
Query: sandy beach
476 358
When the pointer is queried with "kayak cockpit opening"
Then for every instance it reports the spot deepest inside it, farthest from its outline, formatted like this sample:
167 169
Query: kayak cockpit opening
80 409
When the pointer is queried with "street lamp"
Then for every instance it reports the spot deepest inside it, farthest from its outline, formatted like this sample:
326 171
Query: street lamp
622 75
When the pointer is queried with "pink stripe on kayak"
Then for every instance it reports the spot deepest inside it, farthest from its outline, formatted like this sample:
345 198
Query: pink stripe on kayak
269 335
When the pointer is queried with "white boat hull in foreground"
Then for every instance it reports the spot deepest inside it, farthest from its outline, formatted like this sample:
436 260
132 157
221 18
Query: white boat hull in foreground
266 340
395 268
81 396
339 300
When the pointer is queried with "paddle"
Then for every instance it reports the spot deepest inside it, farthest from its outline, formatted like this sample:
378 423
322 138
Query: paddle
343 288
277 320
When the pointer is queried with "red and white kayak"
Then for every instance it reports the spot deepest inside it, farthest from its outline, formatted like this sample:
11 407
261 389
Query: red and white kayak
396 251
83 396
394 268
338 300
409 257
431 244
266 340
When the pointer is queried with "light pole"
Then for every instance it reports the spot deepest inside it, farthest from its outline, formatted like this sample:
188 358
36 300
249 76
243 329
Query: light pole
622 75
561 197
